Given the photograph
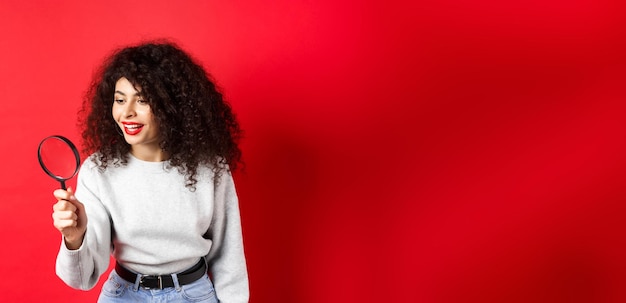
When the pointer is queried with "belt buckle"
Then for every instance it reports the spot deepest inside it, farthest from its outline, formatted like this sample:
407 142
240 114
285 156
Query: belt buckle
158 278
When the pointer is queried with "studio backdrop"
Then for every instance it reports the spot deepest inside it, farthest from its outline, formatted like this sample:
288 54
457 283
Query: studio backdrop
396 151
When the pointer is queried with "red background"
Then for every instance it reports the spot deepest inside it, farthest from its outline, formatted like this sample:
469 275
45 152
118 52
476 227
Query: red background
425 151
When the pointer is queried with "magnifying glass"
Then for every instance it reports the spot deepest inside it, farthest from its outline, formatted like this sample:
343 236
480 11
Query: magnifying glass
59 158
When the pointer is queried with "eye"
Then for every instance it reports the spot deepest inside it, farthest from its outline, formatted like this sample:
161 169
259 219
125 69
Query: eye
120 101
142 101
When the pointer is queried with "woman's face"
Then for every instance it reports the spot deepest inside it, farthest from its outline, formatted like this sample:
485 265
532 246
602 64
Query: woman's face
134 117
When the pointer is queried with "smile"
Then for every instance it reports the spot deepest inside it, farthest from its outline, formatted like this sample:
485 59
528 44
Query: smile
131 128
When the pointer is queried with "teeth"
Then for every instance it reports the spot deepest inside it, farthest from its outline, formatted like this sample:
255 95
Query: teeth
133 126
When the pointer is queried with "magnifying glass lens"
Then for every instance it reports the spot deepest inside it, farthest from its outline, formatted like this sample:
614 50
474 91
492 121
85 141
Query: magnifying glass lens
59 158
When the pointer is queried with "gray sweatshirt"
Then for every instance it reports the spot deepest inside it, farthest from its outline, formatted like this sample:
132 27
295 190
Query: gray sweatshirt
144 216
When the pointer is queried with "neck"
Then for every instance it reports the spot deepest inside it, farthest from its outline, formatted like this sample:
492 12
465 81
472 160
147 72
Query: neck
150 154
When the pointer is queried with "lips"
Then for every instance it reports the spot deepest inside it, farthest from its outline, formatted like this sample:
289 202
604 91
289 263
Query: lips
132 128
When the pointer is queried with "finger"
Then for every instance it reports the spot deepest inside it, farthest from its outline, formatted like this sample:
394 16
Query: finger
64 215
64 219
64 205
63 224
61 194
70 191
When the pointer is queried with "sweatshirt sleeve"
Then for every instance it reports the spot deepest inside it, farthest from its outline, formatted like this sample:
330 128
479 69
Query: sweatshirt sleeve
226 259
82 268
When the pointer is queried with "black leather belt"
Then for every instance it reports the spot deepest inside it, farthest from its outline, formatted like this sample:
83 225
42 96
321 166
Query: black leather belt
163 281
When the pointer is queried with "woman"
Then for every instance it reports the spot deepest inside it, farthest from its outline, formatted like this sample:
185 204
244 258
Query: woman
157 191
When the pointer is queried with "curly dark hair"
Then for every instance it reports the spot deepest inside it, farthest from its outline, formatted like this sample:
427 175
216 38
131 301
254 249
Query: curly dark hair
196 125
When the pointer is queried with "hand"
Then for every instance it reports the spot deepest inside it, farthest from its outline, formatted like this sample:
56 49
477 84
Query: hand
69 218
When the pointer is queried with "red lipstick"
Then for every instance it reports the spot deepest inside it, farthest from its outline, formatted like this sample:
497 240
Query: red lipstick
132 128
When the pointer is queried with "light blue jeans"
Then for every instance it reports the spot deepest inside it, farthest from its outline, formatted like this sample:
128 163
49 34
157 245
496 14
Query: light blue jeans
117 290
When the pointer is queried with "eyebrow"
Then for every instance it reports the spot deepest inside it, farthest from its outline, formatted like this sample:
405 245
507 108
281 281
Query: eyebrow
123 94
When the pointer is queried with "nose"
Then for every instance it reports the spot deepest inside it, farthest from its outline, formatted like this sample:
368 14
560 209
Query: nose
129 110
